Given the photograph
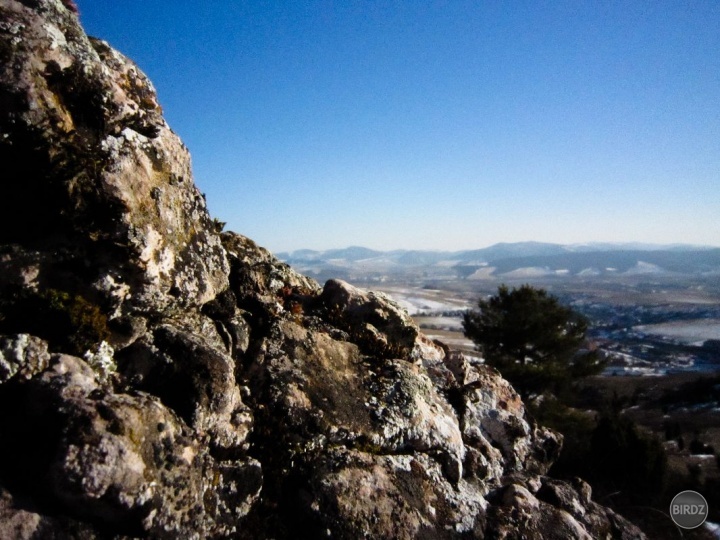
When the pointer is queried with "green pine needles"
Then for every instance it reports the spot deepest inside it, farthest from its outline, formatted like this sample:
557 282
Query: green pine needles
531 338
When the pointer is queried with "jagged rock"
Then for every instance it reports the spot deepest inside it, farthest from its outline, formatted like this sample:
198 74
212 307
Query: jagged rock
495 414
520 514
360 495
83 137
378 325
119 459
193 377
261 283
543 507
230 322
221 394
20 523
22 355
323 390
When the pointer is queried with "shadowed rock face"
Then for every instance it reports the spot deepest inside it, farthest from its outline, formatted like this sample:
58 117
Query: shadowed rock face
211 391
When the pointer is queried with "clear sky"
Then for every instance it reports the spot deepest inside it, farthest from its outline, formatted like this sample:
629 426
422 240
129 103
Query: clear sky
439 124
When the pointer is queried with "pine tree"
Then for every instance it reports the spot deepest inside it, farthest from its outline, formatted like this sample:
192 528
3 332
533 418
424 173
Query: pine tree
531 338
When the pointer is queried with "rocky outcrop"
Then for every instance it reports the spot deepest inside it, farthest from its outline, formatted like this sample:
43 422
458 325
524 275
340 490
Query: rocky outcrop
161 379
107 178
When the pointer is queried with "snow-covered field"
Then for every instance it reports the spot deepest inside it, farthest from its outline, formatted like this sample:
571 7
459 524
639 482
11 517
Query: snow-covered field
417 300
432 302
454 340
689 331
446 323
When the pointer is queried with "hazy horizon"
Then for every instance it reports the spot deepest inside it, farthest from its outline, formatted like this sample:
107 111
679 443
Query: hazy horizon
440 126
641 246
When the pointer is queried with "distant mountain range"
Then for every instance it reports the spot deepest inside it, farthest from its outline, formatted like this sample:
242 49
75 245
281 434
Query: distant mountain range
509 261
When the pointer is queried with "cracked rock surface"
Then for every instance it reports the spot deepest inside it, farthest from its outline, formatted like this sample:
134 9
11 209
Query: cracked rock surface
160 378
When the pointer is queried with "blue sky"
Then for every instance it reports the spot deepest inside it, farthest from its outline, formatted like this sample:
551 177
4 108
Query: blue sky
439 125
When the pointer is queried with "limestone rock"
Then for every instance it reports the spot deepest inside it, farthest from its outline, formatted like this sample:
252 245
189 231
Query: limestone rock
326 392
378 325
124 460
495 418
193 377
22 355
360 495
21 523
546 508
83 137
